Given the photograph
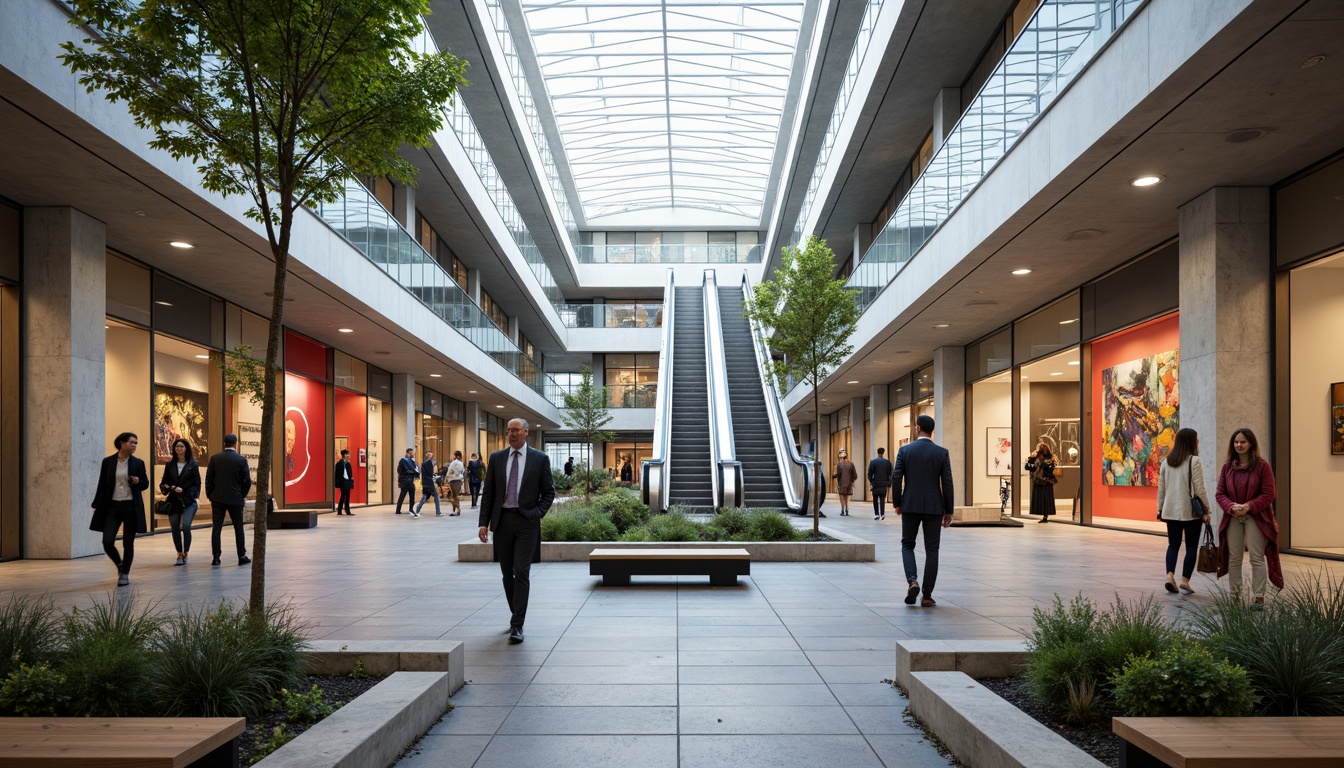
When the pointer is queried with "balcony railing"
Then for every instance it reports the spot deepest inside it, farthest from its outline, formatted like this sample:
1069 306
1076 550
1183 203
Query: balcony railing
633 395
670 254
640 315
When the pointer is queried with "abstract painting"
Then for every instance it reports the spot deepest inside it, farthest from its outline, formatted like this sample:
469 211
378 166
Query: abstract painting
1337 419
179 413
998 451
1141 414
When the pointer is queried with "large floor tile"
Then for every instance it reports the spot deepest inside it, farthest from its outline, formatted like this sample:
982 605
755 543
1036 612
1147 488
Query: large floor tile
599 695
758 695
774 751
552 751
752 719
591 720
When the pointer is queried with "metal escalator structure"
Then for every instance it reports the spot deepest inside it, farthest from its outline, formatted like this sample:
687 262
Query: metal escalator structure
692 466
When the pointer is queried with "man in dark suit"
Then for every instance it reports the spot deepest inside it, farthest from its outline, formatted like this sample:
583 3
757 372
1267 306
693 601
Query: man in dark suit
922 496
518 491
879 479
407 473
227 481
429 485
344 478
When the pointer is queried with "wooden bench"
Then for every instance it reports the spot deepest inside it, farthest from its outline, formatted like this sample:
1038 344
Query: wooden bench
171 742
1230 742
616 566
292 518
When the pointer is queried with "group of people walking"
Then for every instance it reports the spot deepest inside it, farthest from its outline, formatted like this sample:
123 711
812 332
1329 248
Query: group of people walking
119 502
433 482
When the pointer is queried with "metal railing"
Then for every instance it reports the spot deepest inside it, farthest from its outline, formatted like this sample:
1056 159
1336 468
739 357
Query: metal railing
670 254
654 471
727 470
612 315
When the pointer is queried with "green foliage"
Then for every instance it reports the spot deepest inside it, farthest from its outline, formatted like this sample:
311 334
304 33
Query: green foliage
280 736
587 411
563 483
106 661
638 533
1081 704
770 525
624 509
34 690
1129 629
244 375
673 526
303 707
728 524
1184 680
1053 670
29 631
1292 651
358 671
576 522
1062 626
220 664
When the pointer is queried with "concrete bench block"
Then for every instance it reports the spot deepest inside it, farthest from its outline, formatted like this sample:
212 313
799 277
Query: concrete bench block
976 658
975 514
383 657
982 729
372 730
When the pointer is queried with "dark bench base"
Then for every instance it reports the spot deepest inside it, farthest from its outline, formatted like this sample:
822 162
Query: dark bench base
223 756
617 573
292 518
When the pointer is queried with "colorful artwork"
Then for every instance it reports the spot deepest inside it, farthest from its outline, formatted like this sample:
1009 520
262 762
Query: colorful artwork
179 413
1337 419
305 441
998 451
1141 399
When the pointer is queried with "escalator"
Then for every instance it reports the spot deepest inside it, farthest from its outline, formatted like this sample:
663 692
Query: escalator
754 444
690 481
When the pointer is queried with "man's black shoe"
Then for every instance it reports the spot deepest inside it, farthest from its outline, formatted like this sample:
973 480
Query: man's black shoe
244 560
215 561
911 593
516 635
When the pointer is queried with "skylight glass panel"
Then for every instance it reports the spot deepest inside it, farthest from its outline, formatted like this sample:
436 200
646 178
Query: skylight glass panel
667 105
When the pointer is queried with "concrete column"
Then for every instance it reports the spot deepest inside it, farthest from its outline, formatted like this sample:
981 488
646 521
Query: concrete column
949 410
513 329
804 437
1226 284
64 370
861 449
946 113
471 415
474 285
879 428
863 238
403 208
403 414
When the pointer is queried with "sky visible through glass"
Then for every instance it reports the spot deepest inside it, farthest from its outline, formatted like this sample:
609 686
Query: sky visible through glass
667 106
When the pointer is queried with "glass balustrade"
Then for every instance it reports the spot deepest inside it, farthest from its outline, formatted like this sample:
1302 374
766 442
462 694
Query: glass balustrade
612 315
670 254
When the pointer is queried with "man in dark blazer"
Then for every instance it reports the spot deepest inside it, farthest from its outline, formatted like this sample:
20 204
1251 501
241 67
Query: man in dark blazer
879 480
344 477
407 473
227 481
922 497
517 492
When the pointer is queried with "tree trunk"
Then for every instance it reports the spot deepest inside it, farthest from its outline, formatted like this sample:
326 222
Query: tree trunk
816 462
257 597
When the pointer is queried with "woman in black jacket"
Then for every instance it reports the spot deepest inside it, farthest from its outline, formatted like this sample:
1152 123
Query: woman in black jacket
1041 467
181 485
119 502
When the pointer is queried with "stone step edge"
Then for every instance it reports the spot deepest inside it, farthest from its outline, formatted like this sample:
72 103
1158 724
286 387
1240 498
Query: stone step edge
976 658
372 730
980 728
383 657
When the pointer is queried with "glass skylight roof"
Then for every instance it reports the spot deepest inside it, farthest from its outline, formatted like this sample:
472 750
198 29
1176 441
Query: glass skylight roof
667 105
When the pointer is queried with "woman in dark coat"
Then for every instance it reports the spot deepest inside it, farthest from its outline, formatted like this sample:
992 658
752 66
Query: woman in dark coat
1041 469
181 485
119 502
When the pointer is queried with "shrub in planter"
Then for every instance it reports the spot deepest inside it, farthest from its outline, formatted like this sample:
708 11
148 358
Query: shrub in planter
34 690
1184 680
728 524
673 526
1292 651
624 510
106 661
29 632
563 483
1129 629
1054 671
575 522
638 533
771 525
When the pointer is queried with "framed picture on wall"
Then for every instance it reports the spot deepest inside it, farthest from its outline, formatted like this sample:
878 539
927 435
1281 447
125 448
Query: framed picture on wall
1337 418
998 451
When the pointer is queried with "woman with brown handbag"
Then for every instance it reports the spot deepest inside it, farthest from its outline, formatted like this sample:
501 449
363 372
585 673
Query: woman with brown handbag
1246 494
1179 481
1041 469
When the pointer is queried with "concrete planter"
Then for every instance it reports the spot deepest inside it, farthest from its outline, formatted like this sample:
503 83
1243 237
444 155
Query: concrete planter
977 724
848 549
377 727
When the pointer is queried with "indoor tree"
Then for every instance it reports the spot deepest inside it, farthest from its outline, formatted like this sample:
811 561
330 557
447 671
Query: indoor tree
812 315
280 101
586 412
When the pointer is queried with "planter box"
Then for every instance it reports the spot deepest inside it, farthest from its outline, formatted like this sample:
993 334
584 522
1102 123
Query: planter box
383 657
849 549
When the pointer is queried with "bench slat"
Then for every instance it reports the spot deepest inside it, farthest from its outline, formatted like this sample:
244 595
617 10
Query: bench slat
669 554
114 742
1236 742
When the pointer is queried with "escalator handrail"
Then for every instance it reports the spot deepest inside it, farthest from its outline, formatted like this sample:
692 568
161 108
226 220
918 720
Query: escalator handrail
727 474
656 498
794 470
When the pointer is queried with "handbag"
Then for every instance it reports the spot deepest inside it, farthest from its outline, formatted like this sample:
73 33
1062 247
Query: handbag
162 508
1196 503
1208 552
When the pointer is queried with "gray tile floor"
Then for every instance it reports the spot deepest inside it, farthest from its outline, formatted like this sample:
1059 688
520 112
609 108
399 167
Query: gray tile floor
784 669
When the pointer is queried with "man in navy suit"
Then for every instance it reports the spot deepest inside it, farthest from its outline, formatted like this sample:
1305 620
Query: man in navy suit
517 493
408 471
879 479
921 492
344 478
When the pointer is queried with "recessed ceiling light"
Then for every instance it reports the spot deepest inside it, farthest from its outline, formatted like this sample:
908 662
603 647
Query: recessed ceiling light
941 325
202 357
471 391
852 382
1057 373
1084 234
1024 377
436 375
499 406
180 244
1146 181
346 330
164 303
1313 61
1022 271
1074 362
139 213
1243 136
1070 320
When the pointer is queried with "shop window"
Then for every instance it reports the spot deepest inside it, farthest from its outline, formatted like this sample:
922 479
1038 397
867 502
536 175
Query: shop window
1145 289
128 393
1049 409
380 384
243 327
1047 331
128 290
632 380
187 405
186 312
306 463
623 460
989 414
923 383
351 373
989 355
305 356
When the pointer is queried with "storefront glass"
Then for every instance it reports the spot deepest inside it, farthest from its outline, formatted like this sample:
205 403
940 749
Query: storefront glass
306 459
990 421
632 380
1049 403
187 405
619 455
